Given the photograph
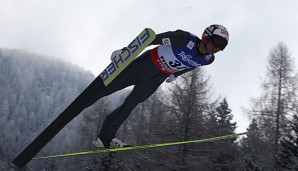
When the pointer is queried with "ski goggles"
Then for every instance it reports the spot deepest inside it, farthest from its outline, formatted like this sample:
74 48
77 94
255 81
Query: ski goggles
218 41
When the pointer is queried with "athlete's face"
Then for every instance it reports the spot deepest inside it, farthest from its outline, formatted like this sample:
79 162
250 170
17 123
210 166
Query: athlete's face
211 48
215 44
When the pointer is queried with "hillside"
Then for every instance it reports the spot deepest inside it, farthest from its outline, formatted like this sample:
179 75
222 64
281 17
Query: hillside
34 89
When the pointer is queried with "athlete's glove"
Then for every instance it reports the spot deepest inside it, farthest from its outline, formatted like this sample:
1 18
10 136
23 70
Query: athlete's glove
116 53
171 78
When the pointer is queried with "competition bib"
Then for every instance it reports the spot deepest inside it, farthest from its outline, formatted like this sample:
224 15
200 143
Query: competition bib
171 60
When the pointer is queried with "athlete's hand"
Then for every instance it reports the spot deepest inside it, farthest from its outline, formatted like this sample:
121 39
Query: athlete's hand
115 53
171 78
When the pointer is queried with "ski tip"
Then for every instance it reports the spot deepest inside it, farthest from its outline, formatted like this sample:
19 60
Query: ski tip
151 31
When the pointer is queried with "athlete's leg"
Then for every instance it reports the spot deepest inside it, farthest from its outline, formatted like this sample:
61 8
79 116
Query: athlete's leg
139 93
140 70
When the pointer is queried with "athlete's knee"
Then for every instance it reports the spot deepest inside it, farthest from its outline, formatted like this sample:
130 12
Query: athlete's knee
136 100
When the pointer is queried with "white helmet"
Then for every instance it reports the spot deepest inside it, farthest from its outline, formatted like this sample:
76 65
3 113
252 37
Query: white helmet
217 34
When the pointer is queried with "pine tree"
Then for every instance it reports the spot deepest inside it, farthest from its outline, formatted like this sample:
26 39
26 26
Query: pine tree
190 101
225 153
254 149
224 118
277 100
288 156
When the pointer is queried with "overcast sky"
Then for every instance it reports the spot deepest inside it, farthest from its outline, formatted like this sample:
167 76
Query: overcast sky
86 32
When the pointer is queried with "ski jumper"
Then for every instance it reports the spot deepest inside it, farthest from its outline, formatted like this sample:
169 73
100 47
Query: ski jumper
176 54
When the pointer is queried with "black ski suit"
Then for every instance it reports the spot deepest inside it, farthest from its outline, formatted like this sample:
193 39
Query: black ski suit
146 77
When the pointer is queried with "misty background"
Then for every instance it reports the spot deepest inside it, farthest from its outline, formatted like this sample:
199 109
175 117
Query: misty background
87 32
51 50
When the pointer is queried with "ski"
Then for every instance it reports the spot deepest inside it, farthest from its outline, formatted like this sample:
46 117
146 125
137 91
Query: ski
128 55
129 148
76 107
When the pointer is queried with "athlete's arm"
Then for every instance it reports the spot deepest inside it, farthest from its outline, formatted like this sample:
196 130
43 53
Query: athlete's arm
177 39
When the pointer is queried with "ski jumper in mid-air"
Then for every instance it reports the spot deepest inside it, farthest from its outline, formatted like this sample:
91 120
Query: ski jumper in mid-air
177 53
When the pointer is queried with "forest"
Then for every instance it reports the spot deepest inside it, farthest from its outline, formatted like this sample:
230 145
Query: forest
34 89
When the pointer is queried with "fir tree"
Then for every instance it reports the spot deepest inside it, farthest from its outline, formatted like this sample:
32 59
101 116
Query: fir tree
288 156
225 152
278 98
254 149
